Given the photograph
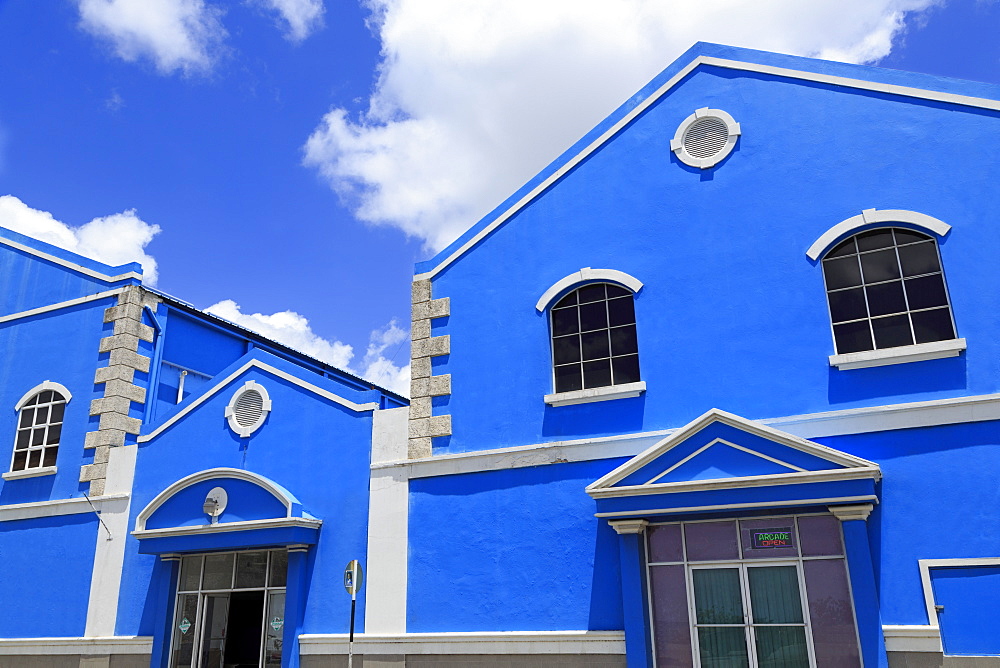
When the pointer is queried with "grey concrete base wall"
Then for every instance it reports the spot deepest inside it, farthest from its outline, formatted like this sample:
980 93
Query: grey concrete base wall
470 661
76 661
934 660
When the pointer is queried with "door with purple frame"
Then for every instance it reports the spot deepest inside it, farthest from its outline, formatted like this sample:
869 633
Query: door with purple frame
756 593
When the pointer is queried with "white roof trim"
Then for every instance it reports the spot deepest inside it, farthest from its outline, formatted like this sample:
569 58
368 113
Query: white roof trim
212 474
326 394
737 422
844 228
60 305
587 275
868 498
892 89
685 460
227 527
69 265
41 387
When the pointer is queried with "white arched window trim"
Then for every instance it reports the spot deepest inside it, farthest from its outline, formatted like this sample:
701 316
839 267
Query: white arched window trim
41 387
871 218
586 275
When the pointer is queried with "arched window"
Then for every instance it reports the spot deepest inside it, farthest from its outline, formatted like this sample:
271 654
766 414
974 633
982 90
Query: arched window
593 338
886 289
39 426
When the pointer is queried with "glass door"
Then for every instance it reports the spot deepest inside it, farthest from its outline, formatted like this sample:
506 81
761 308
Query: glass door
750 616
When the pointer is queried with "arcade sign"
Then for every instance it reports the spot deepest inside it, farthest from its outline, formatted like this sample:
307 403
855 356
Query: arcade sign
769 538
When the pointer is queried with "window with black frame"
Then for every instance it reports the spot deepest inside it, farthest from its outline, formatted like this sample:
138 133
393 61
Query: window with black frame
594 338
39 426
886 289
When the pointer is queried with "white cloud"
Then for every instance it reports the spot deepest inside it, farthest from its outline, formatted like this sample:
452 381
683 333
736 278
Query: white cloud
473 98
116 239
300 18
294 330
176 34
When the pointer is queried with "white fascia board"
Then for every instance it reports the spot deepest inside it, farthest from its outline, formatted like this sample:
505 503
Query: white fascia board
868 498
60 305
912 638
846 82
228 527
70 265
83 646
274 371
740 483
74 506
978 408
506 643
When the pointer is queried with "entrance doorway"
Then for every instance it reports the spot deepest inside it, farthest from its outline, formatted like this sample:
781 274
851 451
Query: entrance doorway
230 610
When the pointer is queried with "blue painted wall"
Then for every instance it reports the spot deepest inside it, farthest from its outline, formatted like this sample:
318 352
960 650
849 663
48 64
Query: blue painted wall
732 314
969 622
45 576
512 550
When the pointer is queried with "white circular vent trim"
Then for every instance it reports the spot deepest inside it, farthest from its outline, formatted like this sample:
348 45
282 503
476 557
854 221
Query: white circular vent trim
705 138
248 408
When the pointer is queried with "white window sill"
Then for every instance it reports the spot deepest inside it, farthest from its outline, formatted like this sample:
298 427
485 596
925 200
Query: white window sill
29 473
900 355
606 393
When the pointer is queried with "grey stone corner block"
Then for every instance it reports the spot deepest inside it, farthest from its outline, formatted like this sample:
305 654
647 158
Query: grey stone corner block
114 438
433 386
418 448
432 426
96 487
119 422
436 308
90 472
135 328
131 294
119 342
123 311
420 407
129 359
116 372
120 388
101 454
432 347
110 405
420 291
420 367
421 329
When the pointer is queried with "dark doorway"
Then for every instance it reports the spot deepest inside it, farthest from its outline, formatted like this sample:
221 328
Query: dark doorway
246 618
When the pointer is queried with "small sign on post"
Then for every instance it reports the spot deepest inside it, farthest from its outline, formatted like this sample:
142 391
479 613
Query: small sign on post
353 577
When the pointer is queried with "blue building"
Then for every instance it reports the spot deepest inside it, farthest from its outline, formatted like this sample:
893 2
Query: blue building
717 388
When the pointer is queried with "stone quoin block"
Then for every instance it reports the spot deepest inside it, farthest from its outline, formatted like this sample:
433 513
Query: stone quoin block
420 367
119 388
134 328
110 405
418 448
420 329
127 311
420 407
117 421
120 372
129 359
432 347
420 291
114 438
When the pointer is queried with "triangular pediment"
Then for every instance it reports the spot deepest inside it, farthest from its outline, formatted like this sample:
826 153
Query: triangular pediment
720 449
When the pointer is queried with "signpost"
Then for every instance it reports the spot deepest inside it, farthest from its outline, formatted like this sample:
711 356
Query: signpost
353 577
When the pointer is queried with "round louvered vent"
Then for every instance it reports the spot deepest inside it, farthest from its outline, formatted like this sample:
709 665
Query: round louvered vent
248 408
705 138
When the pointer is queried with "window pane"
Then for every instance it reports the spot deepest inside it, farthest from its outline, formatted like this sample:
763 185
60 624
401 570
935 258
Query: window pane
566 349
926 292
190 574
567 300
774 595
37 436
671 628
251 569
279 568
621 311
782 647
722 647
597 374
42 415
880 266
54 432
34 459
665 543
565 321
20 460
591 293
23 437
843 248
593 316
886 298
709 541
218 571
933 325
626 369
835 639
909 236
892 332
842 273
848 305
274 626
45 397
616 291
853 337
875 239
623 341
595 345
569 378
32 401
717 597
50 457
27 417
820 536
57 412
184 631
919 259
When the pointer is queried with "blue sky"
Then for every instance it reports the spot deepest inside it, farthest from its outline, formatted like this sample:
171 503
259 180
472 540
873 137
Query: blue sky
296 157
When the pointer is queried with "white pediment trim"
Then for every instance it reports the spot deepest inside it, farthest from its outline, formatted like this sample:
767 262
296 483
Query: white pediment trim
715 415
790 467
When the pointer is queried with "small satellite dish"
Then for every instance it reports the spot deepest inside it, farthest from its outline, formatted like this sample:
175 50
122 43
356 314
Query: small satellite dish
215 503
